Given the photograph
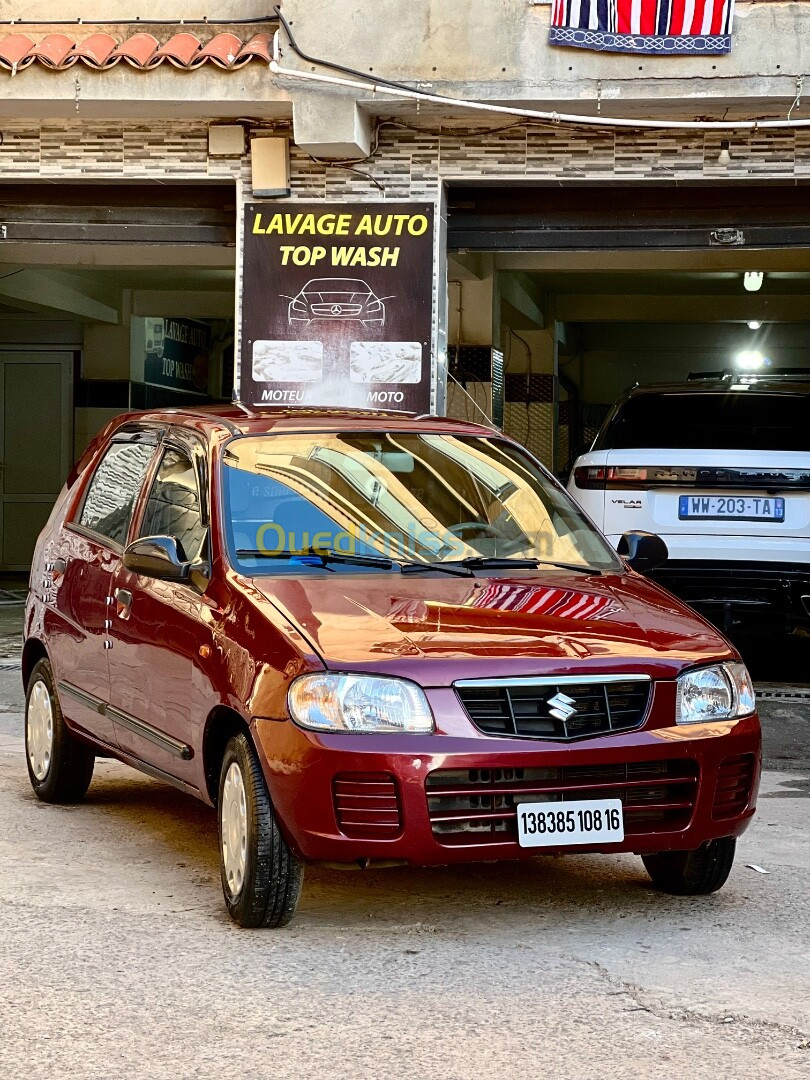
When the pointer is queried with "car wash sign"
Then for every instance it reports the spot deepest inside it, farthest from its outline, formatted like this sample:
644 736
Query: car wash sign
652 27
337 304
174 352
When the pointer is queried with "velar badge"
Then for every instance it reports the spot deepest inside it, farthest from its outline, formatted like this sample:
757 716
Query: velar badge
561 707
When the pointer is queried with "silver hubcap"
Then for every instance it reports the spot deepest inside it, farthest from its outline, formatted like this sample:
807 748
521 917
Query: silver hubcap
233 816
39 730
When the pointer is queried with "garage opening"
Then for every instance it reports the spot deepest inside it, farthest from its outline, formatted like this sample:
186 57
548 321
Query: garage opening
562 300
112 297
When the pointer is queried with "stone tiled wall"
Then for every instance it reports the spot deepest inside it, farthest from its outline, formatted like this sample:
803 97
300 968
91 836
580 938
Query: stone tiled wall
408 164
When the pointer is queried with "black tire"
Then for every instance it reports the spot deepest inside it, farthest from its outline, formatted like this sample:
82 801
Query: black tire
70 768
271 886
692 873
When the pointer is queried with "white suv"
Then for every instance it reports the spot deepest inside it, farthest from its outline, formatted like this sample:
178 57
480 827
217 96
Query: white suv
720 469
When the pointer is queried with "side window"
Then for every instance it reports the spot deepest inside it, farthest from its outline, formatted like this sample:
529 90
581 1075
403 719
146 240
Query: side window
114 488
173 507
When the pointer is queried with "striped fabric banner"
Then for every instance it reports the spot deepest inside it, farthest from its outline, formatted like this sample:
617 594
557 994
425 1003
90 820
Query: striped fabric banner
657 27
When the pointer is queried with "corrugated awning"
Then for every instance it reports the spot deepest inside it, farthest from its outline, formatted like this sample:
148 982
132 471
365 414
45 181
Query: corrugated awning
101 51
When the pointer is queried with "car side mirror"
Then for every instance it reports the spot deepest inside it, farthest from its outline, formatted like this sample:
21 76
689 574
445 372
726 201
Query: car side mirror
159 557
643 550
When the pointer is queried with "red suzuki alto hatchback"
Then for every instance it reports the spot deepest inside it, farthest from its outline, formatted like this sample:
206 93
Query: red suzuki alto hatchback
372 638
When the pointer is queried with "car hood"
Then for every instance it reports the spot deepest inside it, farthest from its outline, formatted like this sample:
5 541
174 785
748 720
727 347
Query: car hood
436 629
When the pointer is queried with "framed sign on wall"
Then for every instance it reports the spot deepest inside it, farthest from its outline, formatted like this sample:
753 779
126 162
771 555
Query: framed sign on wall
336 305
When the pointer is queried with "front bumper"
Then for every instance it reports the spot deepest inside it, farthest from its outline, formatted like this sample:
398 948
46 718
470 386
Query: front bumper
441 798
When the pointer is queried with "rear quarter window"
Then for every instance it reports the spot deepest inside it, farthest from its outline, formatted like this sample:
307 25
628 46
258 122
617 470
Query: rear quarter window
110 498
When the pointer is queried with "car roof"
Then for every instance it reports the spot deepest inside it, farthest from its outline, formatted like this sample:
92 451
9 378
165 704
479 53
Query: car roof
238 420
762 384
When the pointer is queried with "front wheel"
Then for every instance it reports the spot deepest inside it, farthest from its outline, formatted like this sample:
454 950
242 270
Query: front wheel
59 766
261 878
692 873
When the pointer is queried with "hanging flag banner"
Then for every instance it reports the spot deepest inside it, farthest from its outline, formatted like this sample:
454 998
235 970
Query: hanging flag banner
652 27
337 305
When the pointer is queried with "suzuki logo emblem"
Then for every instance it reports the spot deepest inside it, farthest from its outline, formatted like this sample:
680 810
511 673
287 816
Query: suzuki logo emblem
561 707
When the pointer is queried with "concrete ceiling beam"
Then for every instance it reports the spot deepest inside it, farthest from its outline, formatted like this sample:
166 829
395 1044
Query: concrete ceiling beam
196 304
36 291
707 308
524 296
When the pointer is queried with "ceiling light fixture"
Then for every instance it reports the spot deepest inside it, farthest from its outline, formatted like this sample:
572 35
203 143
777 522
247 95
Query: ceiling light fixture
754 324
753 280
750 360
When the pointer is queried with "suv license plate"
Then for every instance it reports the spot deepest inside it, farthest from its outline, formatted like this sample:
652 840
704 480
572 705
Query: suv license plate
560 824
731 507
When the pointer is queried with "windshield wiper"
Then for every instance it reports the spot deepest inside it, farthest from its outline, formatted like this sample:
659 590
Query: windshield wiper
329 555
442 567
326 556
484 562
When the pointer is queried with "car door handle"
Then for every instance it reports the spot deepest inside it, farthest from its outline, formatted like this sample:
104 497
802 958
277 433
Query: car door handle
123 603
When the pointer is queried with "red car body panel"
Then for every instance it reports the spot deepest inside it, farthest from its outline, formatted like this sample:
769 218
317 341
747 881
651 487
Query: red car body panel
436 629
185 660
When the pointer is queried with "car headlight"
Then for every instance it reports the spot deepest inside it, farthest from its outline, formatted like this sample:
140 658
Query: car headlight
719 692
359 703
375 305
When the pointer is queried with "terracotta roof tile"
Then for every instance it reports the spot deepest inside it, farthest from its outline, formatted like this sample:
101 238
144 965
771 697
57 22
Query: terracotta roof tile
101 50
54 50
97 50
222 50
180 49
139 50
14 51
260 45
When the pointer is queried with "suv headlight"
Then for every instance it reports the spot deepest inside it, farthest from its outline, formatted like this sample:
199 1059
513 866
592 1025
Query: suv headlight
360 703
719 692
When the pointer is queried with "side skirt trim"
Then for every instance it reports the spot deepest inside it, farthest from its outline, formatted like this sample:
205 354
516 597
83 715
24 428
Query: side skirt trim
138 727
88 700
152 735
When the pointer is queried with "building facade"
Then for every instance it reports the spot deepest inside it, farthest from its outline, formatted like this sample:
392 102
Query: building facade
559 243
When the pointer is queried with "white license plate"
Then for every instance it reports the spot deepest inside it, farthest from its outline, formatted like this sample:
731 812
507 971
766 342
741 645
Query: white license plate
731 507
560 824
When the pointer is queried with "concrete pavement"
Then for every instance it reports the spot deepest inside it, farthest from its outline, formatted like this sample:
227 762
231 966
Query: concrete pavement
117 957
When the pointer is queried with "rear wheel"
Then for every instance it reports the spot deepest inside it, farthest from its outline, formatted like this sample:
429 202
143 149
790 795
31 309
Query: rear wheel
261 878
692 873
59 766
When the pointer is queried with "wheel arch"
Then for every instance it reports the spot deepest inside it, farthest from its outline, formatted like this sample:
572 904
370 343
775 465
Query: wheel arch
220 726
33 651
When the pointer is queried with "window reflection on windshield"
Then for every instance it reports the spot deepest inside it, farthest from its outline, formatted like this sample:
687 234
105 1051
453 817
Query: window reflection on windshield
407 496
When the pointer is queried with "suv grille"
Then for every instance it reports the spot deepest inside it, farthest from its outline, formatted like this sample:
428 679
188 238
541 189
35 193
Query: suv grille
563 711
469 807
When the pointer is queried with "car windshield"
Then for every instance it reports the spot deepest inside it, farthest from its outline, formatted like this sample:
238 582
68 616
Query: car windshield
732 420
331 285
408 497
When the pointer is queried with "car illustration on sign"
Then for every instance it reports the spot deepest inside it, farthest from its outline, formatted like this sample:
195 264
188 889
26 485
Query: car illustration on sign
348 299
